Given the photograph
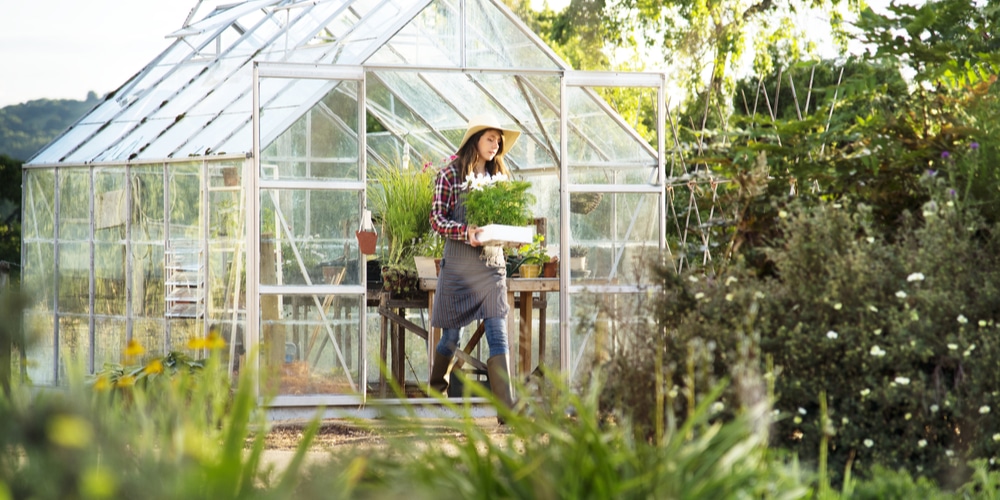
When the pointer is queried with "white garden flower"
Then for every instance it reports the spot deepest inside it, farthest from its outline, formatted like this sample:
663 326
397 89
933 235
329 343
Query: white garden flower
802 411
901 294
870 239
907 416
729 297
692 278
869 443
982 323
949 453
782 214
758 294
730 280
902 380
831 335
962 319
876 351
996 437
837 306
873 309
934 408
915 277
983 410
877 331
865 392
699 296
845 421
952 347
922 443
717 406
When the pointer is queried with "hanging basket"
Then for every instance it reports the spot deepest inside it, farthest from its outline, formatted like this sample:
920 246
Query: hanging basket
367 237
584 203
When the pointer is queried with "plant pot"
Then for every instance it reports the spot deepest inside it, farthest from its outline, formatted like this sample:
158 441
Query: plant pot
530 270
367 241
550 269
577 263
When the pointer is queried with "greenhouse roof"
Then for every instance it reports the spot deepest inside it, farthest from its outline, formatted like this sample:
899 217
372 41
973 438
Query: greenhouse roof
428 63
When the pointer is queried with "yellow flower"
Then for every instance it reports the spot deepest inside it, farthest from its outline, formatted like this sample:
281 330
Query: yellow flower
215 341
125 381
134 348
196 343
154 366
102 383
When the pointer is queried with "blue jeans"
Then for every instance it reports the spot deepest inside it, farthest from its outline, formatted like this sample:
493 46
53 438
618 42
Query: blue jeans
496 337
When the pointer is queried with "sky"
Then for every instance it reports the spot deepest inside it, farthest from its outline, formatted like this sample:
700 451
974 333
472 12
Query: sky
62 49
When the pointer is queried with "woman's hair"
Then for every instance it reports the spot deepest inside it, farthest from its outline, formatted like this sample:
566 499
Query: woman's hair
469 153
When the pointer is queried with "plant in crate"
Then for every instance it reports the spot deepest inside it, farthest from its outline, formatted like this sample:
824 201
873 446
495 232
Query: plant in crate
499 205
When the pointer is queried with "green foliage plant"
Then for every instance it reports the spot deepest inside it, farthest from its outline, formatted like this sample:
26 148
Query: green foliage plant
534 252
401 200
497 200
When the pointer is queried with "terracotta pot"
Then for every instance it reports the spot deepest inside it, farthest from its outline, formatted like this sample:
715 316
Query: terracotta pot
367 241
530 270
550 269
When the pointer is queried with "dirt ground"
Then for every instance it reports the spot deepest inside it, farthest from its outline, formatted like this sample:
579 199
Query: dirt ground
337 433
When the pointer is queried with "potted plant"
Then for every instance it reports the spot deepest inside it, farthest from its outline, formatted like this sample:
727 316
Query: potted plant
533 256
577 258
402 198
499 205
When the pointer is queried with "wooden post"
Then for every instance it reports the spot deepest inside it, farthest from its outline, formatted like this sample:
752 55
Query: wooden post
272 335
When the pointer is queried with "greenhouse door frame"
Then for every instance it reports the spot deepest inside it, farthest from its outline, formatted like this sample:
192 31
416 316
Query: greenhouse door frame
255 185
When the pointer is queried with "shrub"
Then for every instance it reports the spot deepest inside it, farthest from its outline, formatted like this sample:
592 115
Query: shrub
901 335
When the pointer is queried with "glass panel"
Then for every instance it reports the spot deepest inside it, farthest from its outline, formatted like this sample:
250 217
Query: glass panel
147 200
36 277
74 344
151 334
597 139
321 144
109 342
109 279
618 236
431 39
185 200
40 355
182 332
308 230
493 41
39 205
313 354
147 280
74 277
74 204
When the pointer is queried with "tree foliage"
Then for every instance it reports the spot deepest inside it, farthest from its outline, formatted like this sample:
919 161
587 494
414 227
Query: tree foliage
26 128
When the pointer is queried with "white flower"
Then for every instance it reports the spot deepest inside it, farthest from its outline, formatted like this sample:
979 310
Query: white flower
983 410
876 351
901 294
717 406
699 296
907 416
869 443
837 306
873 309
729 297
692 278
831 334
865 392
758 294
797 419
962 319
730 280
934 408
782 214
870 239
953 347
982 323
915 277
902 380
845 421
922 443
877 331
949 452
996 437
802 411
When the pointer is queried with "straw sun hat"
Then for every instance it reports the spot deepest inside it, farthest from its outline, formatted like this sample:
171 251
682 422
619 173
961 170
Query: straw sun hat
483 122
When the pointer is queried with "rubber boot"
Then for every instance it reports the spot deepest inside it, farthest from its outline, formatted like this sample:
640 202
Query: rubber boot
439 373
499 375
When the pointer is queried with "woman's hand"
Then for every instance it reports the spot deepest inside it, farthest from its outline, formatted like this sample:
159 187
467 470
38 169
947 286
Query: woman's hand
472 235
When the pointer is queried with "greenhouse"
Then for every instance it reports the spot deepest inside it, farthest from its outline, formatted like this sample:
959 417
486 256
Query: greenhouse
220 189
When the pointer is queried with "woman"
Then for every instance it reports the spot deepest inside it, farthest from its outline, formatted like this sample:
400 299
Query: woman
472 284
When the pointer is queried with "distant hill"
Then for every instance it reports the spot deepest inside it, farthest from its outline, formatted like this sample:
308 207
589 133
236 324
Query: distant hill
26 128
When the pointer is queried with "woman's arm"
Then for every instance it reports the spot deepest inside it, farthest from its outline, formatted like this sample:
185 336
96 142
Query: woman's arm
445 197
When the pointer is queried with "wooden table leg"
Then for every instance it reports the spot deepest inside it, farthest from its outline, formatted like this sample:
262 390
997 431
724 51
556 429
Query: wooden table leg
524 342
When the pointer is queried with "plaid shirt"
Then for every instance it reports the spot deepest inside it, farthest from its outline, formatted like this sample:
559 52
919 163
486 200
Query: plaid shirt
447 188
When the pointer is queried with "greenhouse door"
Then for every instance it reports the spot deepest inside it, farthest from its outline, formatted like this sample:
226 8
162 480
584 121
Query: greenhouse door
305 274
